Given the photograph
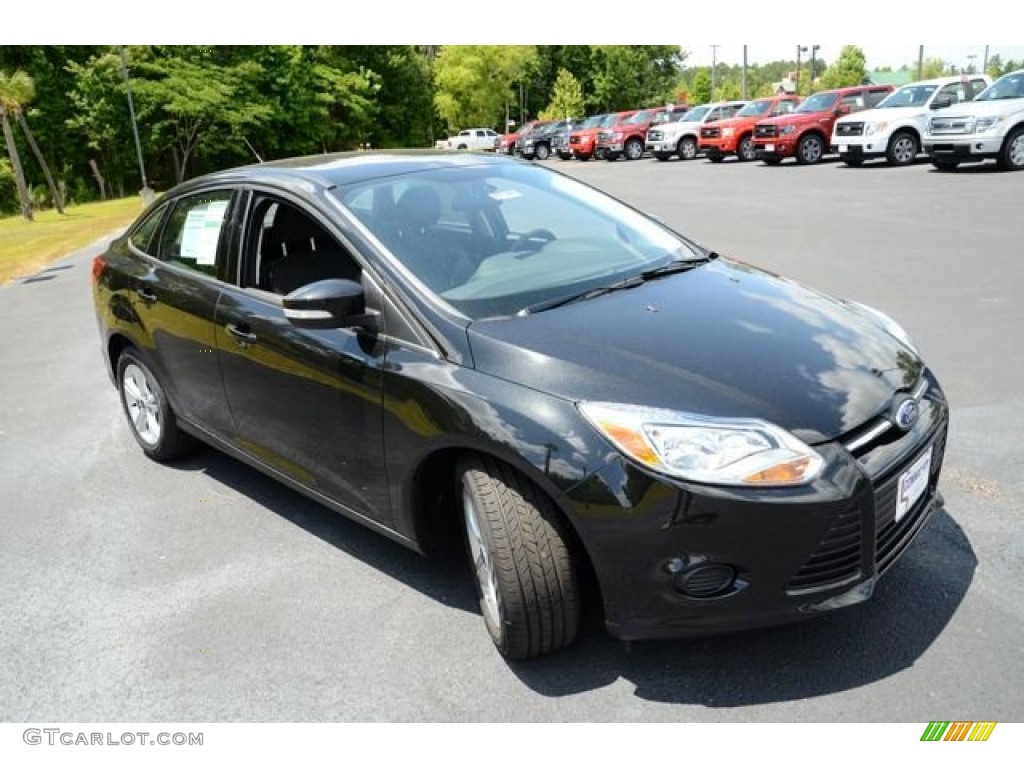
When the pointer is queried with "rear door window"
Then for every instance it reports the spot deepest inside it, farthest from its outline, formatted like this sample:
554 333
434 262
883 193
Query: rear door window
193 235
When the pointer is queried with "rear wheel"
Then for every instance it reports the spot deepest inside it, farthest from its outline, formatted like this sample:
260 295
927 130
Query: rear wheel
902 149
745 150
463 146
945 165
1011 156
687 148
810 149
518 551
152 421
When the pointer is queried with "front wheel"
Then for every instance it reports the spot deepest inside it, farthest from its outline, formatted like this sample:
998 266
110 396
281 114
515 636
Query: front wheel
662 156
902 149
687 148
771 160
851 161
745 150
810 149
1011 156
634 149
519 554
945 165
541 152
153 423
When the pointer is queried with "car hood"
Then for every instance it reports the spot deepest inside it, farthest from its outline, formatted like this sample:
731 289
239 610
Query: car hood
887 115
794 118
724 339
981 108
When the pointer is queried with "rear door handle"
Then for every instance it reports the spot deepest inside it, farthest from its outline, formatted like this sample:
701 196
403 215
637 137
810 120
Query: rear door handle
242 333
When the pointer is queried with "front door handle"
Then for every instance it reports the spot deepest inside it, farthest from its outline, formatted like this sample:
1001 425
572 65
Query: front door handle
145 293
242 333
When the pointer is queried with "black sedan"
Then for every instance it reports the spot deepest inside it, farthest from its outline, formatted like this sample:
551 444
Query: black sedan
450 346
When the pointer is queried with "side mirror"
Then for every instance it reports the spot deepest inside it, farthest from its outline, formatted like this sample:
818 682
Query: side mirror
843 109
333 303
942 101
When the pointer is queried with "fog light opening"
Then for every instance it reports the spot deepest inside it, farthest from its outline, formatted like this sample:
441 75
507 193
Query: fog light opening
707 580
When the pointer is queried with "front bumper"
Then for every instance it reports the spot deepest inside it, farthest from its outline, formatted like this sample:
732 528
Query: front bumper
793 553
718 147
965 149
781 147
860 147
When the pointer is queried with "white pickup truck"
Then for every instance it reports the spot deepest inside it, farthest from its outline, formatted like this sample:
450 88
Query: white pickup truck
895 128
480 139
990 127
683 137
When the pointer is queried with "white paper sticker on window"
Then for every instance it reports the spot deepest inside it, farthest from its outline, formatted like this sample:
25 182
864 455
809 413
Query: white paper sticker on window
202 231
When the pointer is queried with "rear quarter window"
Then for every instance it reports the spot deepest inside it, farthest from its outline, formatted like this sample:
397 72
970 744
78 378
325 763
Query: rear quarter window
143 236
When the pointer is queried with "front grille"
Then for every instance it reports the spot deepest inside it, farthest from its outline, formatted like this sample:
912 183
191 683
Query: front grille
574 140
950 126
892 537
605 136
836 559
710 133
654 136
765 131
850 129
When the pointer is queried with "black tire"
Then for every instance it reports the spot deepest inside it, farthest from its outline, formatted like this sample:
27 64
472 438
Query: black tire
583 158
463 146
716 158
945 165
687 148
153 424
634 149
771 160
1011 156
903 148
853 162
521 561
662 156
609 156
810 150
745 150
564 156
541 152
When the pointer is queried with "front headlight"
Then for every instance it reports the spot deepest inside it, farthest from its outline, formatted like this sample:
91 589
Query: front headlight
787 129
872 128
985 123
726 132
747 452
888 324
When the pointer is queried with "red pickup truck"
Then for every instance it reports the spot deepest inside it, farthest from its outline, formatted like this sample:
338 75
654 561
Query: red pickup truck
584 141
735 135
806 132
627 138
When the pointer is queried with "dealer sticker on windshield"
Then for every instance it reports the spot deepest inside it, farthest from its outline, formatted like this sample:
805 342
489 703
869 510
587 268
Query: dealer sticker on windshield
912 484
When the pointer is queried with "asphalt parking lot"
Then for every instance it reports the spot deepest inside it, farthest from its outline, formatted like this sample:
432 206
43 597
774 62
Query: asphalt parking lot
206 592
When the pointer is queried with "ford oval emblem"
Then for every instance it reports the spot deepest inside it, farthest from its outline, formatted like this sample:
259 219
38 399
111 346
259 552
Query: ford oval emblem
905 413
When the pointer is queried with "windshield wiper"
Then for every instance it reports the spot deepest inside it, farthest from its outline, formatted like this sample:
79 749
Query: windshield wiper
630 282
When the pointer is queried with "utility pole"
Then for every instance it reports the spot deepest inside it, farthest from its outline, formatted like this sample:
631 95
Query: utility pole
799 49
744 73
970 58
146 192
920 61
984 62
714 63
814 55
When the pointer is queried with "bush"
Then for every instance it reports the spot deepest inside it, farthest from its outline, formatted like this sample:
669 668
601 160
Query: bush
8 190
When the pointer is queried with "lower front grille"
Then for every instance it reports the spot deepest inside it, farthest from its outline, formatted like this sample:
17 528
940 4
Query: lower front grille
836 559
765 131
710 133
849 129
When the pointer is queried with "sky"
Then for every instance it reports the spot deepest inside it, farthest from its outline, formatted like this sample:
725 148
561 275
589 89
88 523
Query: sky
891 55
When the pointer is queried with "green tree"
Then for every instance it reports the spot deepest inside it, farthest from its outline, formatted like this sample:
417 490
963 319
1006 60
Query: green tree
474 82
566 98
849 69
931 68
15 90
700 90
634 76
18 91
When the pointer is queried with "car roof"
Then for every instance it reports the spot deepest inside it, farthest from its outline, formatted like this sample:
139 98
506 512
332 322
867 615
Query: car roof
945 80
342 168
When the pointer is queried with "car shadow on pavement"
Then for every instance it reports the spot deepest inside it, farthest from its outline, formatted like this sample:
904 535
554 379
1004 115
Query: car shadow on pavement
911 606
445 577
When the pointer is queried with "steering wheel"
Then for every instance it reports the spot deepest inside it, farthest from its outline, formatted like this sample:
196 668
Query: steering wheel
528 240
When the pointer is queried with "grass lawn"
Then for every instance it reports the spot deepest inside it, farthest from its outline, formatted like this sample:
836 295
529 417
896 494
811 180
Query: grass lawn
25 246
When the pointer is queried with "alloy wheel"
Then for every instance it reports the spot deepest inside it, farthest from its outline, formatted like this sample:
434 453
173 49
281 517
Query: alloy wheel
143 405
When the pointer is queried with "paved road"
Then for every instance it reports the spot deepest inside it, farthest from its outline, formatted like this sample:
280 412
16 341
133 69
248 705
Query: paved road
205 592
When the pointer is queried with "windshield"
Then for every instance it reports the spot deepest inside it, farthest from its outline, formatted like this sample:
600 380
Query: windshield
640 117
491 240
908 96
1006 87
695 115
819 102
755 108
592 122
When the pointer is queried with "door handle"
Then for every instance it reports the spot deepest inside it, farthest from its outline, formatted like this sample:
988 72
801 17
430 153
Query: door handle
242 333
145 293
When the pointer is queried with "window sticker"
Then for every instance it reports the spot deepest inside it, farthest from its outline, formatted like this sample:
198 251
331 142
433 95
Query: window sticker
202 231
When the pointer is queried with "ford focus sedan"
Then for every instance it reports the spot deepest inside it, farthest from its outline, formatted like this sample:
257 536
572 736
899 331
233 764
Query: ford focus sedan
466 348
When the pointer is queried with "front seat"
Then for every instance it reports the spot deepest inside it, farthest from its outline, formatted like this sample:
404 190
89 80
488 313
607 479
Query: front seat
422 247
